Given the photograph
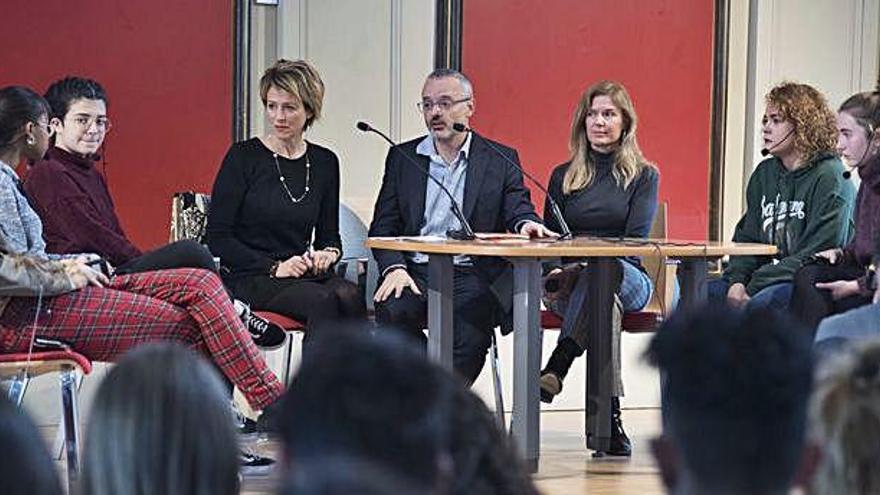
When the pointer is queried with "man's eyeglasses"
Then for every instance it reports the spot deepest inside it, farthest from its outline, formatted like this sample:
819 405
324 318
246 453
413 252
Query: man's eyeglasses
444 104
84 123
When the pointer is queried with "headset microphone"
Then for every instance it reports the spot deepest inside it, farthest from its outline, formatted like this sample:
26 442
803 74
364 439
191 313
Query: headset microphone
848 173
767 151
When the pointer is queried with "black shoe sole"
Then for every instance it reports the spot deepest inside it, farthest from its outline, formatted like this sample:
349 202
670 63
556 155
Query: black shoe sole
270 347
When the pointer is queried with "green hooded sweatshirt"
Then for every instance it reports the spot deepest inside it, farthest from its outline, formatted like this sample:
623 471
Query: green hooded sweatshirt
801 212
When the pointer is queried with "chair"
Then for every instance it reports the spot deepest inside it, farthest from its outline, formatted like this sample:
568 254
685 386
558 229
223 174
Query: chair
19 368
660 269
358 264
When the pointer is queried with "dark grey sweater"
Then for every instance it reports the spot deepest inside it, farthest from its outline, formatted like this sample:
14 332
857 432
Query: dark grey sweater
604 208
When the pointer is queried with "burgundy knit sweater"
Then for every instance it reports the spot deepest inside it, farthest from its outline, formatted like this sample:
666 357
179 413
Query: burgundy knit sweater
73 201
865 242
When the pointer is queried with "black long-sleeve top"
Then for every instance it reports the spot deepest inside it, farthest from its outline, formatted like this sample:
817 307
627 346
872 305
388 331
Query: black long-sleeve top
603 208
253 223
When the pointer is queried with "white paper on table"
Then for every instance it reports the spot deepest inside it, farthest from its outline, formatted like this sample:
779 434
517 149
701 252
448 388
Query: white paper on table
424 238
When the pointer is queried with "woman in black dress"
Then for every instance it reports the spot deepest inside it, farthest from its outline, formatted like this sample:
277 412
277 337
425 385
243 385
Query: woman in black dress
274 219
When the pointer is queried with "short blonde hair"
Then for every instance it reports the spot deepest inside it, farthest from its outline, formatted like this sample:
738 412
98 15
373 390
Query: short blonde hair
298 78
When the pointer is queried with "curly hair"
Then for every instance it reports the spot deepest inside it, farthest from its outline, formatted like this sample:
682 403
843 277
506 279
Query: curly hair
815 125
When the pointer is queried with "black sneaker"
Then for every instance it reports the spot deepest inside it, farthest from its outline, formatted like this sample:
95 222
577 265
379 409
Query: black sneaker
266 335
253 464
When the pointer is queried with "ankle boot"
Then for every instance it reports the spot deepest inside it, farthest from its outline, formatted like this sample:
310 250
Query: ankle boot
620 444
557 367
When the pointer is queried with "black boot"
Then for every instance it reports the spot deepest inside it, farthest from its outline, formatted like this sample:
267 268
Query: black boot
619 444
557 367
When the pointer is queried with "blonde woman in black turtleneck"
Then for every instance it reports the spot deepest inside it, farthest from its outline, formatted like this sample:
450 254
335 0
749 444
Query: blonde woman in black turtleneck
274 219
607 189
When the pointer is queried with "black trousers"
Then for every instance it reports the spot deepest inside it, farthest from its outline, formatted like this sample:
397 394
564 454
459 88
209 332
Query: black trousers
316 301
180 254
810 305
474 309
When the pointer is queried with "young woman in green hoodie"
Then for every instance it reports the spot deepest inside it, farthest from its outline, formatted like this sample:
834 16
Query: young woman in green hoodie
796 199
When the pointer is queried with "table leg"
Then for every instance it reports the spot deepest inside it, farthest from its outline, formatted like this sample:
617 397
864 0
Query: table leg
692 275
440 329
604 276
525 424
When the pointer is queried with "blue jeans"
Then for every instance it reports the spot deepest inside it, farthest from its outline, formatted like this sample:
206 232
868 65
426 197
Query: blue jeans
859 323
776 296
634 293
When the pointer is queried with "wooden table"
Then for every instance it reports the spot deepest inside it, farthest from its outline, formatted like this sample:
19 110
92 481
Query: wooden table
603 269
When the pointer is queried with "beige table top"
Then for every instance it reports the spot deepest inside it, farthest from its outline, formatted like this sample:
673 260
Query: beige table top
582 246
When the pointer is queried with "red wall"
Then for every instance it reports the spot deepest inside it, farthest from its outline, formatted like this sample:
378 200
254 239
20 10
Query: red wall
167 67
530 61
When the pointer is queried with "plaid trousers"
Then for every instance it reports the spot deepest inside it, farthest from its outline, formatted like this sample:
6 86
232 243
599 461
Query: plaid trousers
184 305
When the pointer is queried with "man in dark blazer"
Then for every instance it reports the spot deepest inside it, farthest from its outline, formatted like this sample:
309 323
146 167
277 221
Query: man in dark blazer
492 197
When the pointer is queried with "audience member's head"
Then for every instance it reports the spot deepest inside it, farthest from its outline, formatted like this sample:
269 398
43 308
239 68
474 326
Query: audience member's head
810 126
26 468
161 423
845 413
365 397
336 475
736 386
79 115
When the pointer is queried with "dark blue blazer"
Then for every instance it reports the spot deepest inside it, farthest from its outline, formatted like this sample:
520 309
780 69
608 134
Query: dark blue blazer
495 199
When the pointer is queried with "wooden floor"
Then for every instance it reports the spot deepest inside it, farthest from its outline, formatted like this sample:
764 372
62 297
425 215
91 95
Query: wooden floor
565 467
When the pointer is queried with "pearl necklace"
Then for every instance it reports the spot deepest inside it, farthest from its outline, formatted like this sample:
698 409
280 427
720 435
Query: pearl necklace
284 179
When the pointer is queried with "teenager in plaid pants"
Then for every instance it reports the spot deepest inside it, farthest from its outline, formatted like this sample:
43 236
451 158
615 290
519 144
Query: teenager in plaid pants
100 317
184 305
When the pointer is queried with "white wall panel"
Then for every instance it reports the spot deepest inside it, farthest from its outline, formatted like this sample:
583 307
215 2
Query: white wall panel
373 56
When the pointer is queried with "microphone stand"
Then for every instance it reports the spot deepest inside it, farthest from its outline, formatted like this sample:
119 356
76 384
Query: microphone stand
466 233
554 206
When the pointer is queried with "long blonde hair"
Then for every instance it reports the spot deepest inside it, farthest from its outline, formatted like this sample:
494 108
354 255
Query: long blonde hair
845 415
628 158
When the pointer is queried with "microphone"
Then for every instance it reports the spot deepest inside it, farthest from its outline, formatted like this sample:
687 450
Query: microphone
554 206
848 173
767 151
466 233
